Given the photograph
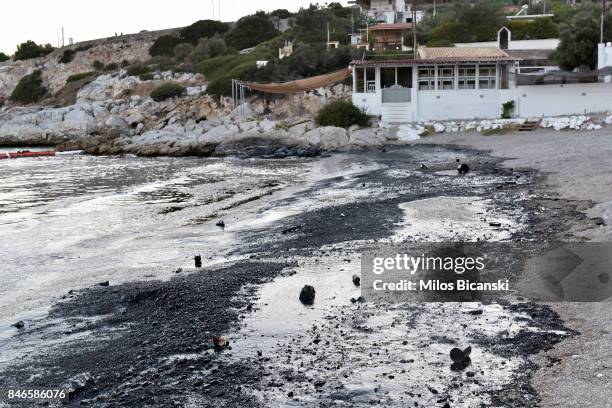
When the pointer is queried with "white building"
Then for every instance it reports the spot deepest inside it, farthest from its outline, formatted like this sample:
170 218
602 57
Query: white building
387 11
465 83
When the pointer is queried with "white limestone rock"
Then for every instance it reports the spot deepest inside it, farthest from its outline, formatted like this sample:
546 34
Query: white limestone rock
407 134
298 130
327 137
116 122
267 126
369 137
220 133
438 127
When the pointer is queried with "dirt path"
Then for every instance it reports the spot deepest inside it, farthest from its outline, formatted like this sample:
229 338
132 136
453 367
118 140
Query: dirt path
577 372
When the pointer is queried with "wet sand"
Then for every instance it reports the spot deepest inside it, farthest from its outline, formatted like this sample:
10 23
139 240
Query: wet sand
578 371
150 343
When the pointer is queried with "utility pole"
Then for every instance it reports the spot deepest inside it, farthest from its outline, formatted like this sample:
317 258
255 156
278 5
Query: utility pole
213 7
219 10
434 10
62 36
603 12
328 34
414 29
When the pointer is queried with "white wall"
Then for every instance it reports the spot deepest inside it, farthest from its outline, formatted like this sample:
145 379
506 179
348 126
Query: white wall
370 102
460 104
604 56
545 44
568 99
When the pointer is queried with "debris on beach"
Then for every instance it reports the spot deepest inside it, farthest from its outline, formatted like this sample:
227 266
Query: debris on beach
424 166
104 284
198 261
19 325
291 229
356 280
220 224
307 295
76 383
220 342
463 168
461 358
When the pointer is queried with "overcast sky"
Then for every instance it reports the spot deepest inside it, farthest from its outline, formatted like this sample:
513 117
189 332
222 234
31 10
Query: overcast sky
41 20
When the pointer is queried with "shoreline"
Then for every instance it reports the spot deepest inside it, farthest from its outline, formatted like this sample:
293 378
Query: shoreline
571 162
159 307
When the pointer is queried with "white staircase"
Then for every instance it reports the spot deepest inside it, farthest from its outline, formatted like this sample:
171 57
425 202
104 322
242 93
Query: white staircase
396 113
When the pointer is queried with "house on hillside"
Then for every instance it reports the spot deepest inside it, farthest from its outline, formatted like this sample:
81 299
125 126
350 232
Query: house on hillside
387 11
535 55
389 36
469 83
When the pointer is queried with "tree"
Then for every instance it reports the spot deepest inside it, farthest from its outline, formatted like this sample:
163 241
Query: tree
208 48
250 31
469 23
281 13
164 46
202 29
579 39
538 28
182 51
30 49
3 57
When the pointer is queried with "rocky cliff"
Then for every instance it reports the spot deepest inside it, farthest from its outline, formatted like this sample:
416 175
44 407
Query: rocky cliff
129 48
113 114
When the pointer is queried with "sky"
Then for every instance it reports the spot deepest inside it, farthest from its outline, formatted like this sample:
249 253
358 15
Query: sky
41 20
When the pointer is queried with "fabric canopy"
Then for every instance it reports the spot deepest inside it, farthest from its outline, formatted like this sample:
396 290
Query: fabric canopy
301 85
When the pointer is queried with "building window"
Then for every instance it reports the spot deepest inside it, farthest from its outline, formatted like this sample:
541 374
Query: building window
446 77
365 81
467 77
360 80
404 77
487 77
370 80
504 76
427 78
387 77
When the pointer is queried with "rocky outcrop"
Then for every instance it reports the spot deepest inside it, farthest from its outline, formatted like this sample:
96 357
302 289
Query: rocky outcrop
130 48
114 115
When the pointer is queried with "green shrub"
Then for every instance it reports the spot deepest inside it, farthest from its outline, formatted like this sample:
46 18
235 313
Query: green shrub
507 110
67 56
342 114
164 46
98 66
29 89
30 49
182 51
141 71
125 63
3 57
167 90
530 30
161 63
111 67
208 48
82 75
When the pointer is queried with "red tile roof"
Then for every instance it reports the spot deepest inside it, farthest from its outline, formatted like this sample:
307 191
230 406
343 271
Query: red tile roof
396 26
461 53
444 55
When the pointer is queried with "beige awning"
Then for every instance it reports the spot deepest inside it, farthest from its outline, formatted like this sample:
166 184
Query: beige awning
301 85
